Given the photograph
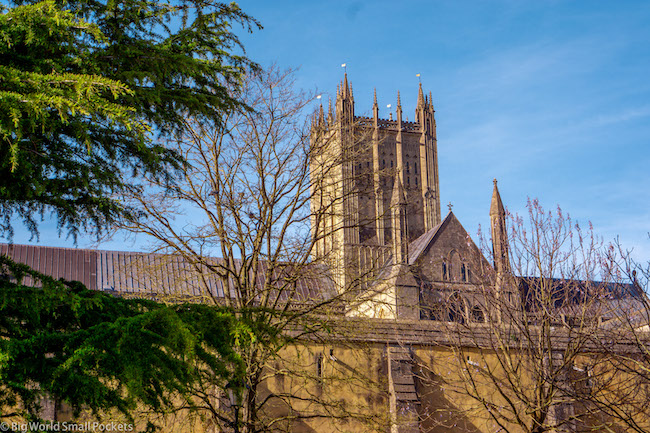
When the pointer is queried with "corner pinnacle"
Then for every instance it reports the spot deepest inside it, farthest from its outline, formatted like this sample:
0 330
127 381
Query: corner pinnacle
421 102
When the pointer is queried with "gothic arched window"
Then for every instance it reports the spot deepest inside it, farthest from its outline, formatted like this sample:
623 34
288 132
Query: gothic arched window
454 268
456 309
464 273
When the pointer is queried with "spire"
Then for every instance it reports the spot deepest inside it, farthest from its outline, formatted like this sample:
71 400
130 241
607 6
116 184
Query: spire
321 116
375 109
398 111
376 168
420 109
499 235
421 101
496 207
345 102
330 113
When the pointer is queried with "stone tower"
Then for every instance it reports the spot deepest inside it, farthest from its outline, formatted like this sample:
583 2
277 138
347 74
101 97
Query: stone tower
357 164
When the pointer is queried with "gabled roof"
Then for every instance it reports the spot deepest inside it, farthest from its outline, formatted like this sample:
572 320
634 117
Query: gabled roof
419 247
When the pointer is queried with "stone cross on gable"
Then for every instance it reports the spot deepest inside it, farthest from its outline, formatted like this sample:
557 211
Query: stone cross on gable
450 206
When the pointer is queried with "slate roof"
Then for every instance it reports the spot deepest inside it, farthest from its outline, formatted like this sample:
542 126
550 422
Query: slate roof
606 300
419 246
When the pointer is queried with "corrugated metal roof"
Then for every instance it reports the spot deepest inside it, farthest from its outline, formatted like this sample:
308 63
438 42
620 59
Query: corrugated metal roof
142 274
68 263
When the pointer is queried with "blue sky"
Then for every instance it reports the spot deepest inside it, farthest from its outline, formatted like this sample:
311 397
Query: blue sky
550 97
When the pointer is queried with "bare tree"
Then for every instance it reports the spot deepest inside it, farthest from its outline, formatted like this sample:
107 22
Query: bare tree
617 383
525 362
242 222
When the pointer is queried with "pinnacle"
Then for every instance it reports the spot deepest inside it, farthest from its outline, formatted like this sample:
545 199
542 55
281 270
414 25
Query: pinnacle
496 207
398 197
330 114
375 100
421 102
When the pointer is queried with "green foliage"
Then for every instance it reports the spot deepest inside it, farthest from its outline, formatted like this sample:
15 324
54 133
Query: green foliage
99 352
86 90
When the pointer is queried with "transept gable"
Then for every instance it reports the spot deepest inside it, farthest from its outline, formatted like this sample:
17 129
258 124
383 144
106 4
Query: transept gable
447 253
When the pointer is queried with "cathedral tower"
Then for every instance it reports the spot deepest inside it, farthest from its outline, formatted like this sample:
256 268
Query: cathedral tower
357 164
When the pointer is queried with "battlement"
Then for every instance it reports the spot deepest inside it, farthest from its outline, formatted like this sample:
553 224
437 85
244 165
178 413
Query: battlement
344 113
388 124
